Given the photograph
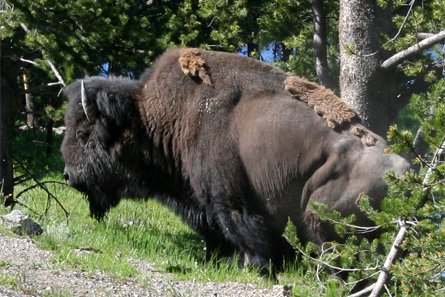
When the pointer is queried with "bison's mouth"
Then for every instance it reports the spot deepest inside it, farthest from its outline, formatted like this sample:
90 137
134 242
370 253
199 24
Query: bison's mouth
76 184
73 180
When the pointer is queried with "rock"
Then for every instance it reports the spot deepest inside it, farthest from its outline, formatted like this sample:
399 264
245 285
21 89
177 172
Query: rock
20 223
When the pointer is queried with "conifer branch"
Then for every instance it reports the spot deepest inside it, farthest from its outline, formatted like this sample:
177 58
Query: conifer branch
384 272
412 50
50 63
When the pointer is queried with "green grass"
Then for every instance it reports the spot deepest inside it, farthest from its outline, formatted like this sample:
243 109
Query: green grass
9 281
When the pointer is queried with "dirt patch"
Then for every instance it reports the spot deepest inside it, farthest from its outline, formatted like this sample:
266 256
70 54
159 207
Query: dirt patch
32 272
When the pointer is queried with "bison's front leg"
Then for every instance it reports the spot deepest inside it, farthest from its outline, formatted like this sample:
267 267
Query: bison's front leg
249 233
217 245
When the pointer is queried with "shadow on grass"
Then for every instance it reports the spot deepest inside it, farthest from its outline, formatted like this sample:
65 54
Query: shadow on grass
178 269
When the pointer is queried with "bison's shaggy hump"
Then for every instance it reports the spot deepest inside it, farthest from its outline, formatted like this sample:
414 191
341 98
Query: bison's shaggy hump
172 93
222 70
193 64
325 103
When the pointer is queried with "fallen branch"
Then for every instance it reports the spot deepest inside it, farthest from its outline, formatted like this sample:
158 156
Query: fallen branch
43 186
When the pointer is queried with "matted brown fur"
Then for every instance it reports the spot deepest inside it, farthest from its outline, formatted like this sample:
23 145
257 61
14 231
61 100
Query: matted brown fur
366 138
192 64
325 103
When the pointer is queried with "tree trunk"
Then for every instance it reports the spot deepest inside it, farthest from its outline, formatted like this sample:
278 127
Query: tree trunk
7 95
6 177
29 104
369 89
320 45
252 49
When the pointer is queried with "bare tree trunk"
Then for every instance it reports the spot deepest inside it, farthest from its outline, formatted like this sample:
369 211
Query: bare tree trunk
29 105
369 89
320 45
6 177
7 96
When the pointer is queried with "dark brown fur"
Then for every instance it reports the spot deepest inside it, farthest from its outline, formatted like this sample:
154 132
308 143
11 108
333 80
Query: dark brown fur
234 159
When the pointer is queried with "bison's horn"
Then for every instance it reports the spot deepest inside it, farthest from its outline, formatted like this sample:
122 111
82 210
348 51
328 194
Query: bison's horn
86 105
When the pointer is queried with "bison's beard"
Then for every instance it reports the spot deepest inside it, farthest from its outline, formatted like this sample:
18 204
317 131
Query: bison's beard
100 204
104 183
104 196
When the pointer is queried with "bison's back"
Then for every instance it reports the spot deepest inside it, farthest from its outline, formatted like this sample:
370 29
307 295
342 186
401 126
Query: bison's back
181 109
226 70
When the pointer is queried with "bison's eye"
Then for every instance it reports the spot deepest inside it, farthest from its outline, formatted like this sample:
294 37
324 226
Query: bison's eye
82 136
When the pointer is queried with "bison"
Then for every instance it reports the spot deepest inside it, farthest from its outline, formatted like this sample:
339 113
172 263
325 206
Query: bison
229 150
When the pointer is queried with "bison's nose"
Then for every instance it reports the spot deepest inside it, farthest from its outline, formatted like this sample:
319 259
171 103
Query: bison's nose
66 175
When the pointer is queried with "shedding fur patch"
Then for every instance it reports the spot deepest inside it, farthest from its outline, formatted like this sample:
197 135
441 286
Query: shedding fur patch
193 65
327 105
366 138
324 102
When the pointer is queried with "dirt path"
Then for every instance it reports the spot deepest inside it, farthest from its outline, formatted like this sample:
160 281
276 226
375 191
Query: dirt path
29 271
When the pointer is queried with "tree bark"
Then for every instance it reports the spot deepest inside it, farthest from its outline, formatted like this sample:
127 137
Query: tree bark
7 94
369 89
320 45
29 104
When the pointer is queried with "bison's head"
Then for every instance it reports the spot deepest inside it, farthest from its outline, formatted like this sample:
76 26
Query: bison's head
102 121
351 170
